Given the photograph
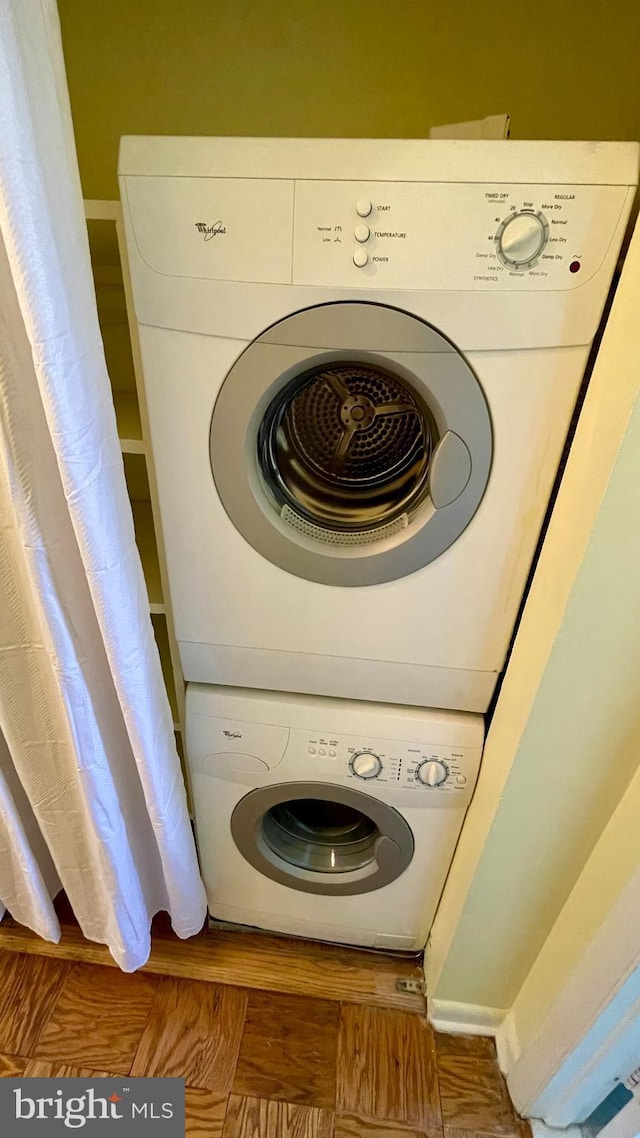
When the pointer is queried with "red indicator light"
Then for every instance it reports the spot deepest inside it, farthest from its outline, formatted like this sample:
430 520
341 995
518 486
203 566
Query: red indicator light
574 267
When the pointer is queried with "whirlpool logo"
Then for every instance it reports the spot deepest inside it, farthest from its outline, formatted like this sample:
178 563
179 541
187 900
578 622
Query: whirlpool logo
211 230
133 1107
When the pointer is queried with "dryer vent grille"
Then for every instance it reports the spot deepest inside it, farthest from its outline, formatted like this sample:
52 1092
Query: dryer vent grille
336 537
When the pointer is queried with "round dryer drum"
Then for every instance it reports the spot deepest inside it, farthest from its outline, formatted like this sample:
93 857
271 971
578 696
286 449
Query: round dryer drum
319 838
351 443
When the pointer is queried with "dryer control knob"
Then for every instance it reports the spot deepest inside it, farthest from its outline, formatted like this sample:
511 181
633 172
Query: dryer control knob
364 764
360 258
362 233
433 772
521 238
363 207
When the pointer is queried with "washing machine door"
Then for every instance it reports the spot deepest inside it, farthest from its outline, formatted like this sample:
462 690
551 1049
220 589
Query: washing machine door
351 443
319 838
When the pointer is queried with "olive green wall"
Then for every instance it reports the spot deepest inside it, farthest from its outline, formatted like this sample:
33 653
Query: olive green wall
385 68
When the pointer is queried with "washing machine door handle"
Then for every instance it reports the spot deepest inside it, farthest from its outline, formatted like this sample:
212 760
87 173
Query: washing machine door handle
389 856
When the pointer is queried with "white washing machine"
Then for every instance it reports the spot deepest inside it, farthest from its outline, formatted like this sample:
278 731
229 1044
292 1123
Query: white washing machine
361 360
327 818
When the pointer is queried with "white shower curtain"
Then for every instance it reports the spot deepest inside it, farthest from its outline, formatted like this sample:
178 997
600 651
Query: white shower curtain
91 792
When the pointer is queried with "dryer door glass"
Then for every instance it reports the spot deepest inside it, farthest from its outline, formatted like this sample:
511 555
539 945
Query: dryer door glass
347 446
351 443
327 837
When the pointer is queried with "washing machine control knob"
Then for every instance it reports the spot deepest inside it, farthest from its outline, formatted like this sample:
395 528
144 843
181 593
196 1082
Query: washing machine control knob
365 764
521 238
432 772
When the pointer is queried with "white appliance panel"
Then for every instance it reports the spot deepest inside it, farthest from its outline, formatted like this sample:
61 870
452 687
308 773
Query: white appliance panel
206 227
444 236
507 249
397 915
420 236
254 605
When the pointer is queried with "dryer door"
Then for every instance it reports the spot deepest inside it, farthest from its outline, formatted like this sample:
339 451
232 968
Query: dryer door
351 443
319 838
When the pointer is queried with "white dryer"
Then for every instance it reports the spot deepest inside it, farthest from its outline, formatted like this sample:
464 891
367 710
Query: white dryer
325 818
361 361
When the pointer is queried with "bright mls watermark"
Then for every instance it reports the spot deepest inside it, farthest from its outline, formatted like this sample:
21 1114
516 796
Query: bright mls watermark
110 1107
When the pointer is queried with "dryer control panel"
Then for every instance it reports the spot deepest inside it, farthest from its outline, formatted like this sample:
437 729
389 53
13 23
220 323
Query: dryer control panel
466 236
375 235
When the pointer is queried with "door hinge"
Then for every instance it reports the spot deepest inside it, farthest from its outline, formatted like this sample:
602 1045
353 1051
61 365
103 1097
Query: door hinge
412 987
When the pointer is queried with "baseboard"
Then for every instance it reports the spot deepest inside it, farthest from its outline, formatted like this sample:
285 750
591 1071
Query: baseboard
464 1019
507 1043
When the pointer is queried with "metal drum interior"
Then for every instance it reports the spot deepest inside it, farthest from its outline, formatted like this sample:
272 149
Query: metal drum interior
325 837
347 446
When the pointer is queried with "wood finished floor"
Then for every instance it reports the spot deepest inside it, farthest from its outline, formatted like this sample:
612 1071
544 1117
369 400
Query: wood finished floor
257 1064
243 960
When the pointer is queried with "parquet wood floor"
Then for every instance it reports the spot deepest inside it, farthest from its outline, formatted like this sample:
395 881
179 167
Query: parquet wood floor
288 1050
96 1019
193 1031
470 1096
391 1061
257 1064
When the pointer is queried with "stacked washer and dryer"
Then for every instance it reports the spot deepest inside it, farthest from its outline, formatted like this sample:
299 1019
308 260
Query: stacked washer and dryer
361 360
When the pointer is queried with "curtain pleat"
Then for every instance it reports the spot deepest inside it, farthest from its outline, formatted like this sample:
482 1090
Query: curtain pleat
83 706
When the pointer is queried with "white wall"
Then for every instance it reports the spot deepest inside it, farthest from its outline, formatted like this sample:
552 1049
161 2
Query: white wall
565 738
609 870
574 1028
